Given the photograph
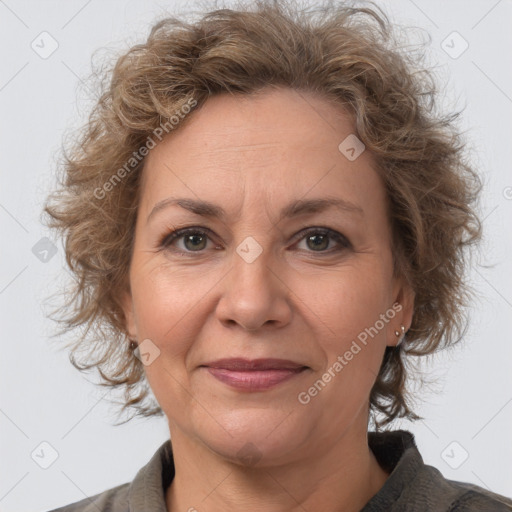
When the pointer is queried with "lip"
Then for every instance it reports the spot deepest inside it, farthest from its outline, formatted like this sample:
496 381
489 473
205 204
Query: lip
255 374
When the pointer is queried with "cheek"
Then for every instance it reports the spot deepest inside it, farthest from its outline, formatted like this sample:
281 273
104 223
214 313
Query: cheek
352 352
358 315
354 304
167 307
166 302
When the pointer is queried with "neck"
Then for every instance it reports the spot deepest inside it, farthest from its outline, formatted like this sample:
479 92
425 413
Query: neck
343 476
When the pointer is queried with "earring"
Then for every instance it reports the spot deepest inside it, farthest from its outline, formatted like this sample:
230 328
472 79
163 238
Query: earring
133 345
400 336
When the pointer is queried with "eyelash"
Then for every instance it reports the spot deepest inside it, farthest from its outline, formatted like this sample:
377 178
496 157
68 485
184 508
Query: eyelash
168 238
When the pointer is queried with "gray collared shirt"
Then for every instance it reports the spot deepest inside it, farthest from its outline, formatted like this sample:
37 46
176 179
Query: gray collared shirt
412 486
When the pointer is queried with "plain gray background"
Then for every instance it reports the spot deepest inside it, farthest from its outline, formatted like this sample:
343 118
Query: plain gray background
466 431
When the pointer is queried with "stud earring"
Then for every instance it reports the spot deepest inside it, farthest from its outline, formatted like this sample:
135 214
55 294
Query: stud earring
400 335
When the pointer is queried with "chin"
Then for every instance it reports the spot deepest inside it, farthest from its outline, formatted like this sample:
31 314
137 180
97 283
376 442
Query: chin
255 438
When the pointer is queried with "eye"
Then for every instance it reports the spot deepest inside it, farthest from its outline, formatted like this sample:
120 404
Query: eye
195 239
318 239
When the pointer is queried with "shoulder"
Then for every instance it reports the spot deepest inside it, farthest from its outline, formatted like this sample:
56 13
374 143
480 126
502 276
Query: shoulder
438 493
111 500
472 498
145 492
413 486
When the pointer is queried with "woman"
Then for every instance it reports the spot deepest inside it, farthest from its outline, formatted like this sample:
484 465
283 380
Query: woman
266 219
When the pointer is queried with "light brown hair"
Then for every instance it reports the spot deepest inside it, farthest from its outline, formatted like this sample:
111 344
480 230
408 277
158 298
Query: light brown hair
343 53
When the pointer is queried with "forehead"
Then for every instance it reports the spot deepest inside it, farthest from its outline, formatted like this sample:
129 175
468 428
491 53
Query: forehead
276 144
262 124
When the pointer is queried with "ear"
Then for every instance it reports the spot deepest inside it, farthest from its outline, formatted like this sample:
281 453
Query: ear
129 314
403 305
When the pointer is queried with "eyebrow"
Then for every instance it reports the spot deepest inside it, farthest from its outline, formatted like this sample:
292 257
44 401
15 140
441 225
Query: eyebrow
294 209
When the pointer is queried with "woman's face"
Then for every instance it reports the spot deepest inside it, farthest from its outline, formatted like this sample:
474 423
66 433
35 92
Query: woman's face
314 288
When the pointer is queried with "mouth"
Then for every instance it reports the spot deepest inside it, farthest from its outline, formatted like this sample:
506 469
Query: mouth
255 374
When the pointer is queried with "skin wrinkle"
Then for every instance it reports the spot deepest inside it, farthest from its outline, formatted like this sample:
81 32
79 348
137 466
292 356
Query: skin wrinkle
351 56
286 304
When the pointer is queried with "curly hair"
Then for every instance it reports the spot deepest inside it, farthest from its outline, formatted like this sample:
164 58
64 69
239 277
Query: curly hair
346 53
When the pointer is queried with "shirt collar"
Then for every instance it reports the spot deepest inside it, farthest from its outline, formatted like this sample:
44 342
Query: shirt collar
147 490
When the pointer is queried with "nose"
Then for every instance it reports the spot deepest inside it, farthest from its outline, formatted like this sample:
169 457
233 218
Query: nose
255 294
